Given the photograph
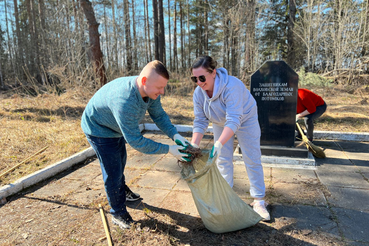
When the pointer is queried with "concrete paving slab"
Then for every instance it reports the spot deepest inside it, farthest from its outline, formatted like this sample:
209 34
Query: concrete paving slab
132 175
140 160
330 164
356 152
306 194
348 179
182 186
353 224
168 163
242 188
355 199
365 174
159 180
72 181
354 147
308 218
150 196
180 201
283 175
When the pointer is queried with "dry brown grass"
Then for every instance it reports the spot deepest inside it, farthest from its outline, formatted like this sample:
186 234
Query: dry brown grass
30 123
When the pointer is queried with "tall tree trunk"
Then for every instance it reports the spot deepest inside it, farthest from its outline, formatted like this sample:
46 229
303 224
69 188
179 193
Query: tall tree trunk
43 43
147 28
225 40
107 39
135 48
161 33
189 35
250 37
79 23
127 27
175 56
19 50
69 49
234 51
183 58
206 28
2 84
290 36
10 52
170 39
156 28
115 45
35 40
32 58
93 29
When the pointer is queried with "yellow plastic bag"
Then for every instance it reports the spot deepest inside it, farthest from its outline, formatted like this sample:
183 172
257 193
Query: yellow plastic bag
220 208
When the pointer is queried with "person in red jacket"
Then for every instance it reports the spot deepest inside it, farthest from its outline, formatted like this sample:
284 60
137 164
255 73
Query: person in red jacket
310 106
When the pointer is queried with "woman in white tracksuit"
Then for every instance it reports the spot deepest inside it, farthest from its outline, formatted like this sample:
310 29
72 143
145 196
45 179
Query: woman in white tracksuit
226 102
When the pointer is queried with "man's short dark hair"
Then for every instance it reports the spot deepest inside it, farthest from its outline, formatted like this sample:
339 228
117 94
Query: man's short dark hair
160 69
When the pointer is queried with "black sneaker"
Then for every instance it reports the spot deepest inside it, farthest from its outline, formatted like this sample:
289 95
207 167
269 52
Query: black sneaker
124 221
130 195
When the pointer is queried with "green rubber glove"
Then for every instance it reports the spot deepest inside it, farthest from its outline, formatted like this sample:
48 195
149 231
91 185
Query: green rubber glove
181 140
175 150
215 151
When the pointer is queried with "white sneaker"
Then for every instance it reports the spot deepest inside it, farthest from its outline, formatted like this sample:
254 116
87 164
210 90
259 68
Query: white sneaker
259 207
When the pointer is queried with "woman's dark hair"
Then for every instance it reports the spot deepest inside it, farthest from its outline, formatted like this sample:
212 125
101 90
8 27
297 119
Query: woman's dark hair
206 62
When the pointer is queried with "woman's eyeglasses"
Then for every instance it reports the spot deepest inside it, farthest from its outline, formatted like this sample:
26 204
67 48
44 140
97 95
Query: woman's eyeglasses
202 78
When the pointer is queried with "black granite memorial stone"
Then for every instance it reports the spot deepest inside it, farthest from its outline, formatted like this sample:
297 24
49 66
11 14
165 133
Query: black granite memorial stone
274 87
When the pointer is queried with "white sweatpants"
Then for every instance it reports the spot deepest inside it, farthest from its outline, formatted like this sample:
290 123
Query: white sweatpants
248 136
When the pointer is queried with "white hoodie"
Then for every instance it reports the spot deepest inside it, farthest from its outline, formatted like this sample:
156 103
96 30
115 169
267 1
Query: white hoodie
231 104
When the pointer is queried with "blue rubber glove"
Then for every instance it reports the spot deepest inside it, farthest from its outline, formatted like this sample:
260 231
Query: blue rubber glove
215 151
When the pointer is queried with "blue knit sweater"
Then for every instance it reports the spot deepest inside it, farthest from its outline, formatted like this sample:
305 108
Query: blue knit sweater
117 109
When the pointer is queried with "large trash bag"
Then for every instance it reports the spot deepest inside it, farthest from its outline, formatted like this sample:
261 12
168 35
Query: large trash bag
220 208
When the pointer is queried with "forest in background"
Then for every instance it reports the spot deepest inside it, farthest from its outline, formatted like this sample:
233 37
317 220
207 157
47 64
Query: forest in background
91 42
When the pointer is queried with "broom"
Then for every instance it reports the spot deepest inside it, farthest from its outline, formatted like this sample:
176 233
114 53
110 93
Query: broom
317 151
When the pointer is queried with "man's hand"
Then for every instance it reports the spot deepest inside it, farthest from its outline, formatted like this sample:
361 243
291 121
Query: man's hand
215 151
181 140
297 117
175 150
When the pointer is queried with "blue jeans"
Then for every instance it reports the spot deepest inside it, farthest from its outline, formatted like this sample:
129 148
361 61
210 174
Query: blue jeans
309 120
112 155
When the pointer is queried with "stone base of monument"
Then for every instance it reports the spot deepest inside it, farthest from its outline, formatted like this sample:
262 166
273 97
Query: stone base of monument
297 157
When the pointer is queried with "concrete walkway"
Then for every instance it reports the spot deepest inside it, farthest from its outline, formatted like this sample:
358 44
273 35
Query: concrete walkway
333 199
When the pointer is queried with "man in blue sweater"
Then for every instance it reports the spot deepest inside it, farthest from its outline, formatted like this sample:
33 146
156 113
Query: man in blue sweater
111 119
